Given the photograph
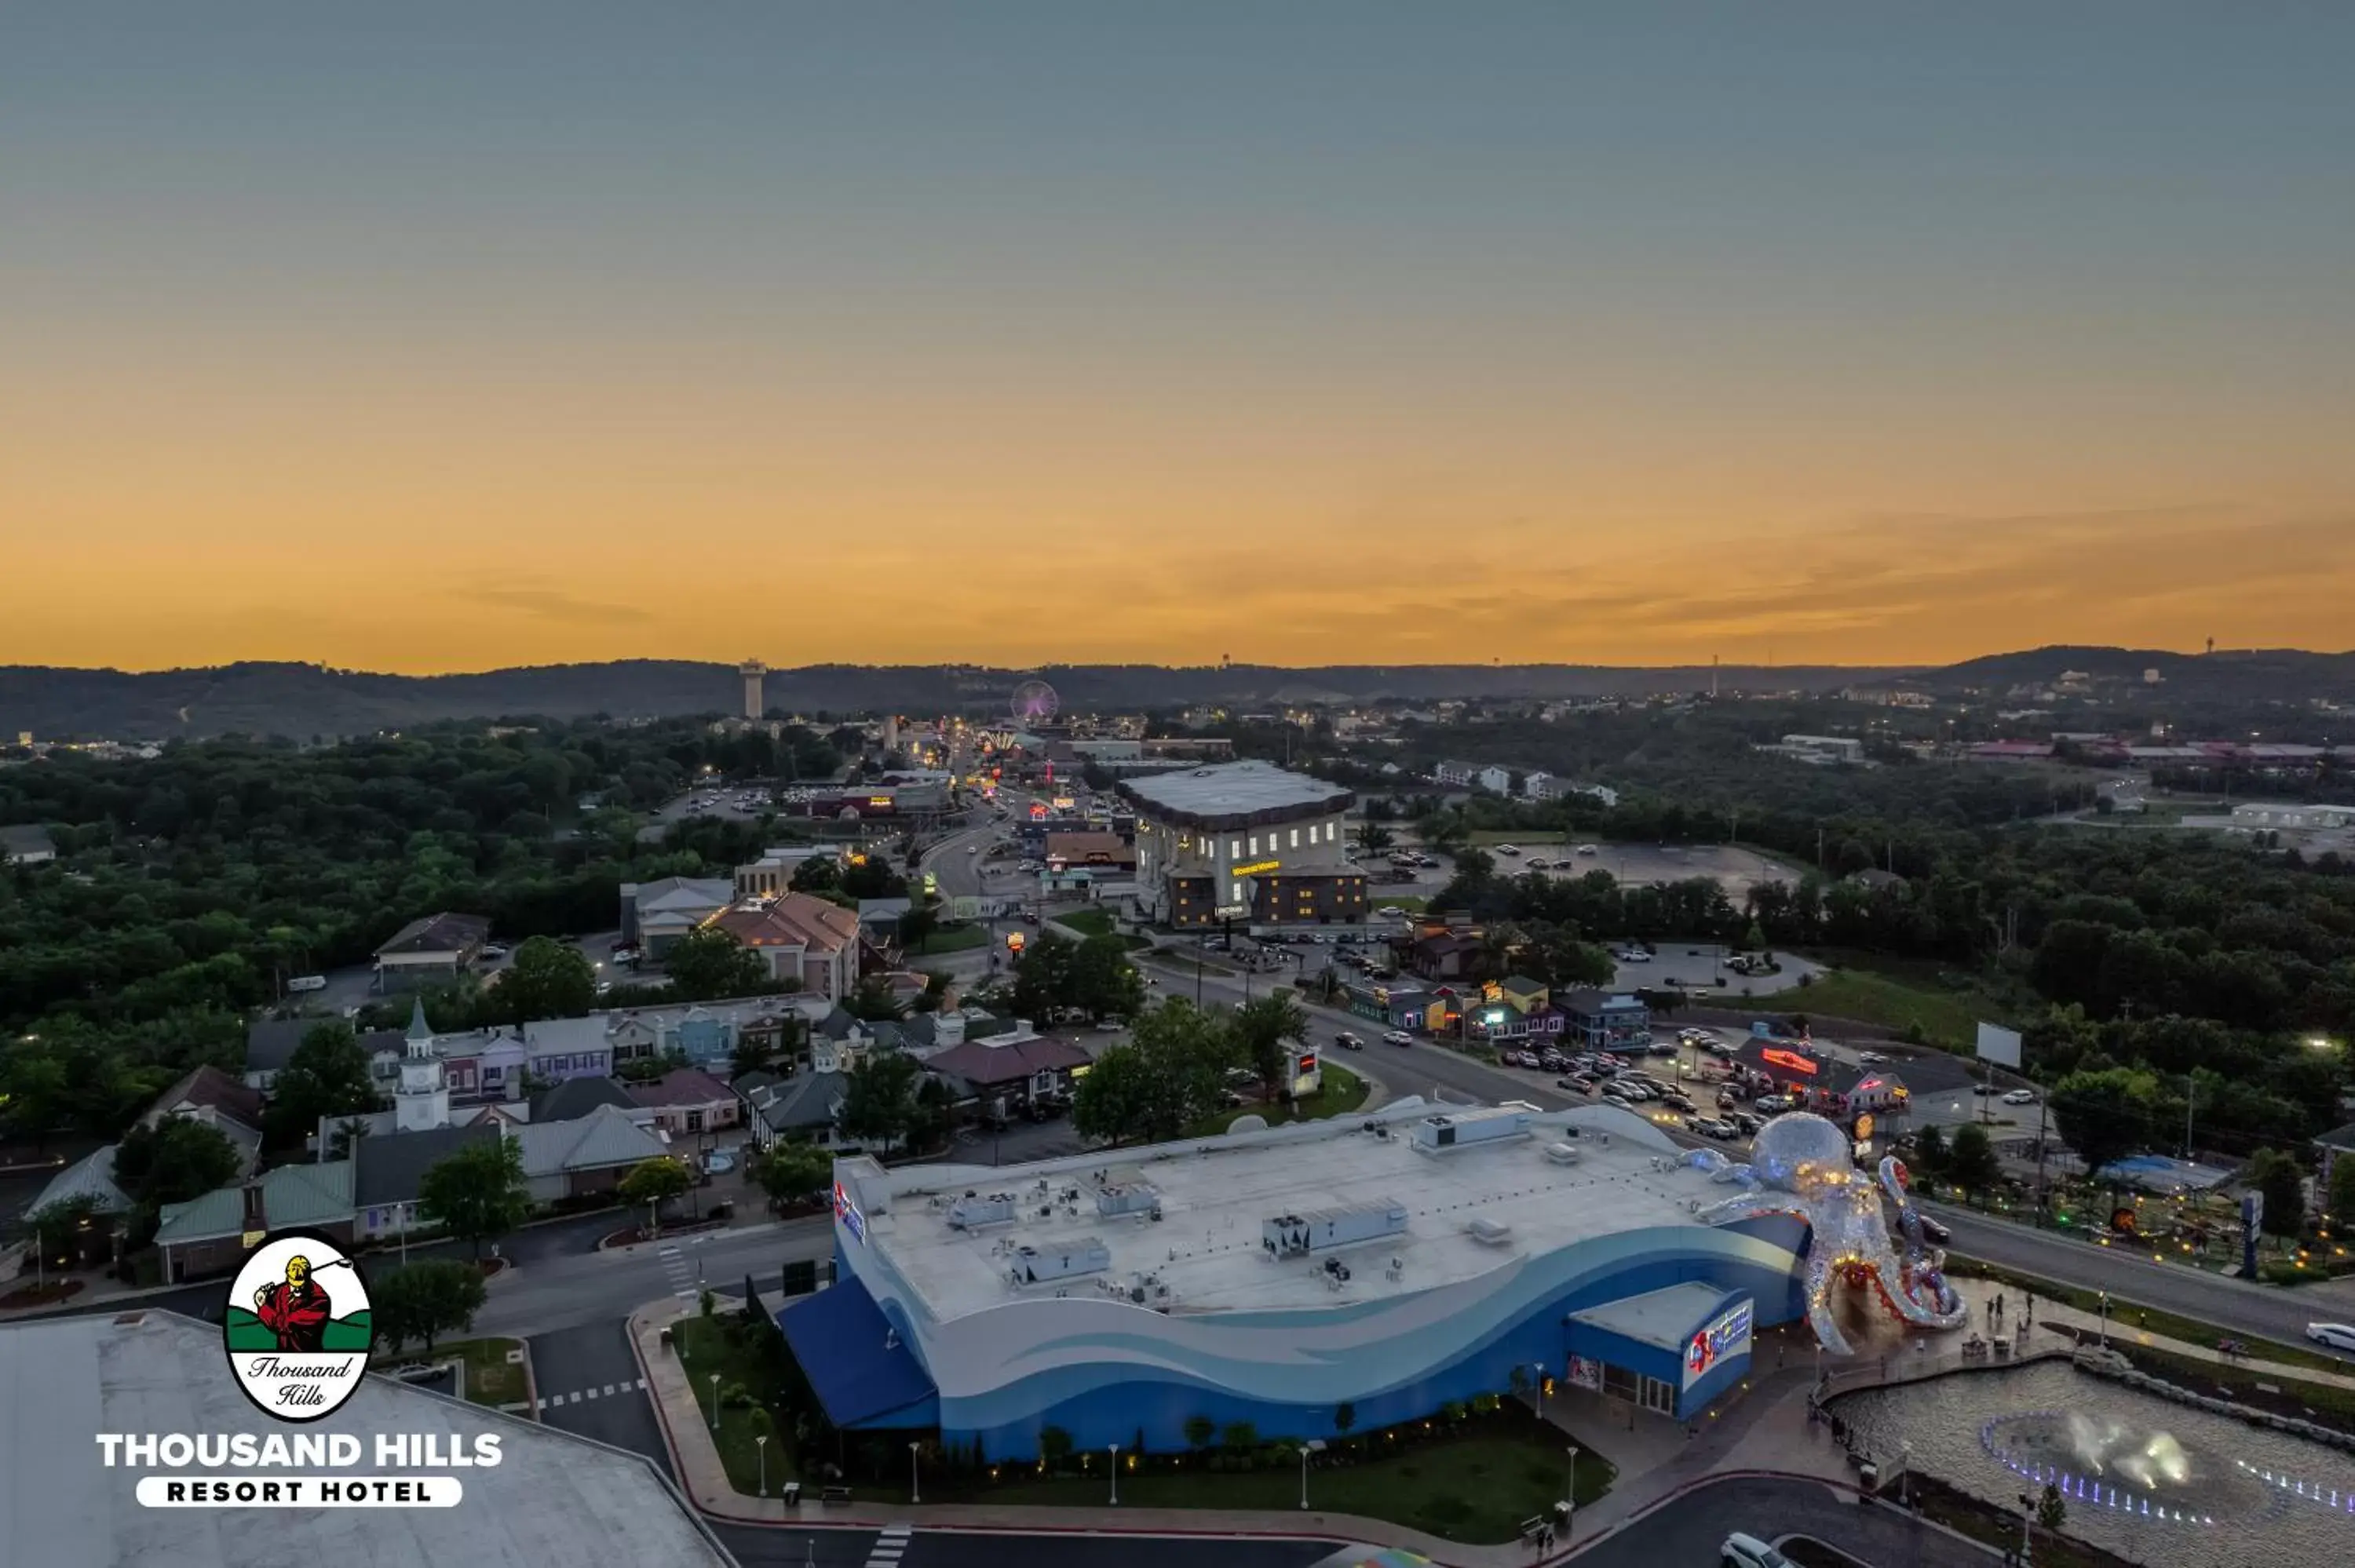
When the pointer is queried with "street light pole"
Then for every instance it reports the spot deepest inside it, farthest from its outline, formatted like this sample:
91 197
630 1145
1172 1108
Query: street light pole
2105 1320
1115 1449
1905 1476
1570 1495
761 1442
1314 1446
915 1480
715 1402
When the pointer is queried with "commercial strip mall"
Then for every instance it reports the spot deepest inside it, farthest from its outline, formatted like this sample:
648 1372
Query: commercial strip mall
1391 1261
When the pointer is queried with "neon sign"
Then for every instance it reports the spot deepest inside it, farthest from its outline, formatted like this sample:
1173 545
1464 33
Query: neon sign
1255 868
1775 1057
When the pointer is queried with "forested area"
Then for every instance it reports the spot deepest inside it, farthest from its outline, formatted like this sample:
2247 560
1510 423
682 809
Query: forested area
188 888
2165 972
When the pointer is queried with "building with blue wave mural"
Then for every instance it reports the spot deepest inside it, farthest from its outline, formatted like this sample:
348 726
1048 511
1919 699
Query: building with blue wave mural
1388 1262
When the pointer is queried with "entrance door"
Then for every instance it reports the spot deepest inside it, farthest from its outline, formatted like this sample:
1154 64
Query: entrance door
1656 1397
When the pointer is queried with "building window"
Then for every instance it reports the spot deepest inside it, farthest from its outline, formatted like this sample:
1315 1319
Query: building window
695 1122
1234 849
1254 844
1330 828
1296 836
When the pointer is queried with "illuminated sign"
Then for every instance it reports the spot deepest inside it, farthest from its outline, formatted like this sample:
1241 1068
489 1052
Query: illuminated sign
1307 1062
1864 1129
880 803
1064 802
847 1214
1256 867
1014 940
1775 1057
1038 810
1729 1335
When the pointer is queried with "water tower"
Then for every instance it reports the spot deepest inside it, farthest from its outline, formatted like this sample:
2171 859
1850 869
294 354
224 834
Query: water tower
752 669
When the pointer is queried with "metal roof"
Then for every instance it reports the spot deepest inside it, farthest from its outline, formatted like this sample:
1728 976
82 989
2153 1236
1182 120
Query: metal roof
1234 794
553 1497
291 1195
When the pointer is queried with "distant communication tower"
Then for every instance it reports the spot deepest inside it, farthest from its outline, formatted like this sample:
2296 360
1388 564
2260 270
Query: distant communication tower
752 669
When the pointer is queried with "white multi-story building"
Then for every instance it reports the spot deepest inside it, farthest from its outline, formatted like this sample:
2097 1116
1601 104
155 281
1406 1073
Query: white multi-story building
1247 840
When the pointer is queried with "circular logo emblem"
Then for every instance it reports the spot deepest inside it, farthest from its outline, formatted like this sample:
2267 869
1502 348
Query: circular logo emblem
297 1327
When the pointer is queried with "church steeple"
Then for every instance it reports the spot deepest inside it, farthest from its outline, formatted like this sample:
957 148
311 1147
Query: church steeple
422 1101
421 1033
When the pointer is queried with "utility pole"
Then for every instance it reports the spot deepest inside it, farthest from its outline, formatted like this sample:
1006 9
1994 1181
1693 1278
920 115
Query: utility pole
2191 1098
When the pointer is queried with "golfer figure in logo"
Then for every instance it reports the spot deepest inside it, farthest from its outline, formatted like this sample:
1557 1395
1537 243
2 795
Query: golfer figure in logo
296 1311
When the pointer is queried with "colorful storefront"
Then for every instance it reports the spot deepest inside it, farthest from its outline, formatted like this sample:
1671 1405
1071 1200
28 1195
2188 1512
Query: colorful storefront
1671 1351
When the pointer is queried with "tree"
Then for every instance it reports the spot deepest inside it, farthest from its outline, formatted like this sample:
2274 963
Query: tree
33 1090
2051 1509
172 1161
650 1182
880 1100
1170 1075
2280 1178
711 963
478 1193
918 923
1054 1446
1971 1163
425 1300
1265 1029
875 1002
545 978
1239 1437
1345 1416
1199 1430
1042 976
2104 1116
1930 1153
57 1229
818 874
2341 1195
789 1171
326 1076
1373 838
1100 981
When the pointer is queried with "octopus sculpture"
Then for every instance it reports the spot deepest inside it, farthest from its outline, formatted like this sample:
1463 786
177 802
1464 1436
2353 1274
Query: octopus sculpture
1800 1165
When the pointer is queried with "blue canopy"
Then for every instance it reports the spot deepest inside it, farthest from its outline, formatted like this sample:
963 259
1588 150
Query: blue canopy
860 1370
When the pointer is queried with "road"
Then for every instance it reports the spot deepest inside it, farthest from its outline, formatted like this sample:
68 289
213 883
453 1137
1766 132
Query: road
756 1547
2131 1275
571 1292
1686 1533
589 1384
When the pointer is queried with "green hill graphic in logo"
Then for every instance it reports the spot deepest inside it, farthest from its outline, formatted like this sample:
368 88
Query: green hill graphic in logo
247 1332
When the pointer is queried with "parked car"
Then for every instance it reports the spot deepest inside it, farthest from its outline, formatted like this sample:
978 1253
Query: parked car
307 982
1576 1084
1675 1100
1772 1105
1871 1058
1513 850
1633 955
2020 1097
1613 1096
493 952
2338 1336
1746 1123
1983 1089
1347 1041
1398 1037
1742 1551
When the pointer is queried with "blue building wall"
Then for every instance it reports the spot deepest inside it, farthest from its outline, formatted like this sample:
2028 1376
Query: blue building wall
1100 1403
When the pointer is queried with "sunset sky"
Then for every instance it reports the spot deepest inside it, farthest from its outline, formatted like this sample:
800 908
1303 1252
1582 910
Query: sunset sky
428 337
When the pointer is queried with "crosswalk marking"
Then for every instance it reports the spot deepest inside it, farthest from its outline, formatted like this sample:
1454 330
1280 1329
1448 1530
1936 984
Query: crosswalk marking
894 1540
628 1385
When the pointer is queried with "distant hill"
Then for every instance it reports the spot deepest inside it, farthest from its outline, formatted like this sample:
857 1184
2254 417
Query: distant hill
304 701
2235 675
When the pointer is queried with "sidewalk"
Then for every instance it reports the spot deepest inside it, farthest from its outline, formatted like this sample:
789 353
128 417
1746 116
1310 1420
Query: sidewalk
2122 1330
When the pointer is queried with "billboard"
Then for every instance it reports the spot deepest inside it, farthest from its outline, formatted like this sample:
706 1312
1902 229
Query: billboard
2000 1046
1307 1072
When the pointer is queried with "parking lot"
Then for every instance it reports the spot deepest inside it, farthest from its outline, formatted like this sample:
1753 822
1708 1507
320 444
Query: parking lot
1735 869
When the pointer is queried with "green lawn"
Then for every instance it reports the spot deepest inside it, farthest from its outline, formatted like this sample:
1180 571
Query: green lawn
1342 1091
1471 1488
954 940
490 1377
1380 900
1947 1006
1088 922
703 1349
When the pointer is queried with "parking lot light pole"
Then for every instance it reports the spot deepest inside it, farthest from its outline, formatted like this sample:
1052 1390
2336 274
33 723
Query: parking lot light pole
715 1402
761 1442
915 1480
1114 1466
1569 1495
1314 1446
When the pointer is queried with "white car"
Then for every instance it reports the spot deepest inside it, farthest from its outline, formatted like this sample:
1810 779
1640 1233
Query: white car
1509 849
2020 1097
1871 1058
2338 1336
1742 1551
1634 956
1398 1037
1390 912
1588 849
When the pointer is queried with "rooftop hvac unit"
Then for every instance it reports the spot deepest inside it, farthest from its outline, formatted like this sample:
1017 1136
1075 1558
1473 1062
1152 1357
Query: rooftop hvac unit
1561 1153
1290 1235
1490 1232
971 1212
1457 1129
1034 1266
1125 1198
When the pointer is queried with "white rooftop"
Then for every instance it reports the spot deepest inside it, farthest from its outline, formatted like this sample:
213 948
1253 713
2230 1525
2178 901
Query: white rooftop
1215 1192
553 1497
1232 790
1656 1317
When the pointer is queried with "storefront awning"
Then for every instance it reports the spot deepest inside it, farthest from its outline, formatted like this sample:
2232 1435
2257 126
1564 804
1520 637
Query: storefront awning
857 1364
